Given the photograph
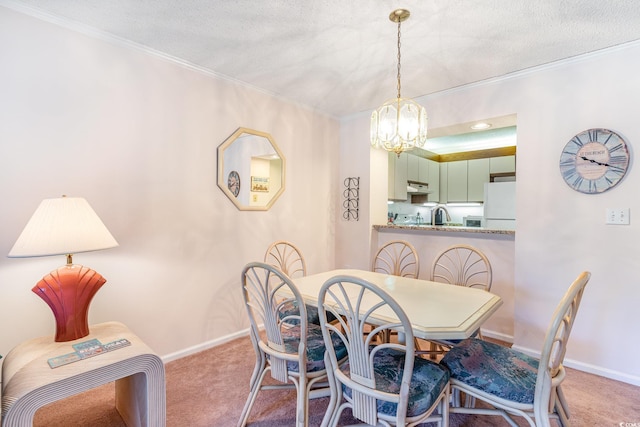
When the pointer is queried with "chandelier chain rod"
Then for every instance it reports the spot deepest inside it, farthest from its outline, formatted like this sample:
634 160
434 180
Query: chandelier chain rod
399 85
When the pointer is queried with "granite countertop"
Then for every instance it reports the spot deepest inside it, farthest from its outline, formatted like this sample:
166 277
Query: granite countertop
444 229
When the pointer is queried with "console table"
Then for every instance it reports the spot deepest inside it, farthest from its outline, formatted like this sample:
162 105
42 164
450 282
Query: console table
28 382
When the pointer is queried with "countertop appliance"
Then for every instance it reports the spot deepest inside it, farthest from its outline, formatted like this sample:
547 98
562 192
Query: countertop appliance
473 221
500 205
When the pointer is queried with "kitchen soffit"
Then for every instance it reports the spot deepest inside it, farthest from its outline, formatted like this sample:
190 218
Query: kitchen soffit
461 138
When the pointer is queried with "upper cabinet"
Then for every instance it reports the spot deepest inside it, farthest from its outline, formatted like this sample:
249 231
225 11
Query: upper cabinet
413 167
398 176
455 181
504 164
409 167
463 180
434 180
478 175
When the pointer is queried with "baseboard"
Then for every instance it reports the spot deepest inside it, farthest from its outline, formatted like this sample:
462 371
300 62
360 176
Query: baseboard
498 336
591 369
204 346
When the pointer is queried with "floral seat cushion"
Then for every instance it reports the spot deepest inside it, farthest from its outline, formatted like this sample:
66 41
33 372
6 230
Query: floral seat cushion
315 347
428 381
494 369
290 308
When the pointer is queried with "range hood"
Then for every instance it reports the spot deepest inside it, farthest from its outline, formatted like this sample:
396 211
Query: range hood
416 187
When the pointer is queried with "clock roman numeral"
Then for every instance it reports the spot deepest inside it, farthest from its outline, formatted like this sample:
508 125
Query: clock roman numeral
618 159
616 169
577 182
568 156
576 140
616 147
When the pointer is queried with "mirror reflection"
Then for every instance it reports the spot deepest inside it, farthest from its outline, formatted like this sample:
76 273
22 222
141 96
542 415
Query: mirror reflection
251 169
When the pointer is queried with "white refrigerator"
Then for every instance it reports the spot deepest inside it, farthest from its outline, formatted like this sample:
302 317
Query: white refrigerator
500 205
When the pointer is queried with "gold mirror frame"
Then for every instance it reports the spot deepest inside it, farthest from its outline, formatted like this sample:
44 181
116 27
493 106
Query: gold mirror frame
254 158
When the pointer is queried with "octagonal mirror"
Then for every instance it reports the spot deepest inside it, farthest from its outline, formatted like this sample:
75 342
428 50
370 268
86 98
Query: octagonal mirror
251 169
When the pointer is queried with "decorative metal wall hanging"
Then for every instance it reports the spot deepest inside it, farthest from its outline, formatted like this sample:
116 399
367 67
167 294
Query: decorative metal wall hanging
351 198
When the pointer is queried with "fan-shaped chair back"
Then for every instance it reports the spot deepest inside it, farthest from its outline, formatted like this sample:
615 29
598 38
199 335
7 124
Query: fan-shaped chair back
286 257
397 258
462 265
382 382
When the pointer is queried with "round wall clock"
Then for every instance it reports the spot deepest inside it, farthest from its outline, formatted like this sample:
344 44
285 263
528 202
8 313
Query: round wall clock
594 161
233 183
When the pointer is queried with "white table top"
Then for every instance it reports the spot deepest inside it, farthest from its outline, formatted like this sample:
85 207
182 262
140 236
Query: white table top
436 310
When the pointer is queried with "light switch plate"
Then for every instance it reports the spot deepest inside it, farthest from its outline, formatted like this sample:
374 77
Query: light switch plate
619 216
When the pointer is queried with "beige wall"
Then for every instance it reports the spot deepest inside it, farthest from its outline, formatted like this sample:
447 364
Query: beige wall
136 135
560 232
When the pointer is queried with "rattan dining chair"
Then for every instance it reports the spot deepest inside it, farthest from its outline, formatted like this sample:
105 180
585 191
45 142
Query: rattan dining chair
461 265
397 258
287 257
286 346
382 383
514 383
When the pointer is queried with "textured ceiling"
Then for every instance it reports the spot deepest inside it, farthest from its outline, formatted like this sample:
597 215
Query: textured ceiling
339 56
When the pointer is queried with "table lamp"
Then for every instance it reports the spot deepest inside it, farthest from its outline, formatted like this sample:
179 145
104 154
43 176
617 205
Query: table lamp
65 226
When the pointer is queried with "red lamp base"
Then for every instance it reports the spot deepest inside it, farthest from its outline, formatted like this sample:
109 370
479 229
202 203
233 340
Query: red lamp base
68 291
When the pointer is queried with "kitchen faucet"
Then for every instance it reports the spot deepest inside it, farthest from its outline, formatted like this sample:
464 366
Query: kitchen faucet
434 213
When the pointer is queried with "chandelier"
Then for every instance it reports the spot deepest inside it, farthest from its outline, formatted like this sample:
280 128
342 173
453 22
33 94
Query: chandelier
399 124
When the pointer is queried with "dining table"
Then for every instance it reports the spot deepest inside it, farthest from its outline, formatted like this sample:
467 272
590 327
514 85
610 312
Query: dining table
437 311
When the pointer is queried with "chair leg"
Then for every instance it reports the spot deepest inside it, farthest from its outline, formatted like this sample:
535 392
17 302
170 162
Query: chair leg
563 401
333 397
261 362
561 408
444 411
302 403
253 393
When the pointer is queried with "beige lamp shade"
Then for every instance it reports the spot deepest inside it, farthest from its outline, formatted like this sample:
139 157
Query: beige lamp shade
66 225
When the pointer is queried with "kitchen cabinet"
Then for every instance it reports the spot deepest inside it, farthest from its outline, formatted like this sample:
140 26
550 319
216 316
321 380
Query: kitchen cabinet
464 180
413 167
477 175
409 167
457 181
427 171
433 178
444 182
504 164
398 176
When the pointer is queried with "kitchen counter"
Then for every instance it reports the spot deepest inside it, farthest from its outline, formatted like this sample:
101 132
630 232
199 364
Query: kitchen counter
442 229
